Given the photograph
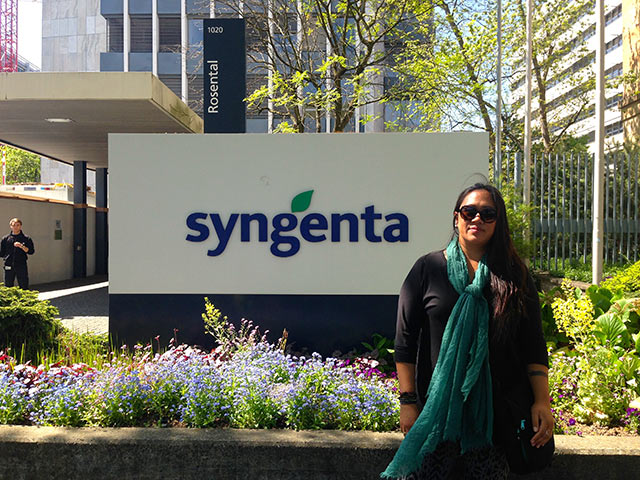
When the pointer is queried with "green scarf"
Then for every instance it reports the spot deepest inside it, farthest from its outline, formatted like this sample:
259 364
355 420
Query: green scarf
459 405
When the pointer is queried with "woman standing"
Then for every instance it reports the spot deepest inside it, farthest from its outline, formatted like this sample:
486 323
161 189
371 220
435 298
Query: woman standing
468 329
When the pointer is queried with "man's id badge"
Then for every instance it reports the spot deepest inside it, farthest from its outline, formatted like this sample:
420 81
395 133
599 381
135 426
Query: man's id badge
7 267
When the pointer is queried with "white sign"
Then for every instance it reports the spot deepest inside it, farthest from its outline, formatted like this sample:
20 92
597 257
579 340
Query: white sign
281 214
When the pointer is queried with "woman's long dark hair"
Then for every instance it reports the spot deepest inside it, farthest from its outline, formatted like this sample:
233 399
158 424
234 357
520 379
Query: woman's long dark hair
508 273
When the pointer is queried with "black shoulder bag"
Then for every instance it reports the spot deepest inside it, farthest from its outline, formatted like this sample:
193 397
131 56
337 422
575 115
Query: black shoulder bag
516 431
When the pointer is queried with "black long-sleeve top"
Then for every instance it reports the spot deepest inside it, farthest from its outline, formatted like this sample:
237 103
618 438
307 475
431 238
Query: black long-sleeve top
12 255
424 305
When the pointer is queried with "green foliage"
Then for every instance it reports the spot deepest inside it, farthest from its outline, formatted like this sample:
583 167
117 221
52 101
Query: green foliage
582 271
519 217
602 298
563 386
447 74
13 402
552 48
554 337
228 338
27 325
305 86
380 349
380 345
73 347
603 389
22 167
597 379
573 312
627 280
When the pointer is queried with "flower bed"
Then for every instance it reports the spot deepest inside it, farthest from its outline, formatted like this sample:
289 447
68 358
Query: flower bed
256 387
594 340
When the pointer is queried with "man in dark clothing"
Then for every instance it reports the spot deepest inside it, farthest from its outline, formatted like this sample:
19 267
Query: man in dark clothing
14 249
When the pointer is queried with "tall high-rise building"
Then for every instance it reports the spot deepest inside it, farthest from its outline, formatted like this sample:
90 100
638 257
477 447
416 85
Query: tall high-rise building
560 89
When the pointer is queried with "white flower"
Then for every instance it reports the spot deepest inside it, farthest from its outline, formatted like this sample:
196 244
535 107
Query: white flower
601 416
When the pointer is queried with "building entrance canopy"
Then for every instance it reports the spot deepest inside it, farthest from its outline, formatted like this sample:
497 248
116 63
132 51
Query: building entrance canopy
68 116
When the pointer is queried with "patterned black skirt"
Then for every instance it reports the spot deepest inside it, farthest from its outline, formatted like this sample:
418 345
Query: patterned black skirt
446 463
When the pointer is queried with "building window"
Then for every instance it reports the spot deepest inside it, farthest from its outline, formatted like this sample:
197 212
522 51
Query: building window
613 15
612 102
114 34
589 33
141 36
613 129
170 38
613 72
613 44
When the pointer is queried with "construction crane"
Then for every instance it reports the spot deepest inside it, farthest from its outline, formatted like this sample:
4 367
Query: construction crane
8 35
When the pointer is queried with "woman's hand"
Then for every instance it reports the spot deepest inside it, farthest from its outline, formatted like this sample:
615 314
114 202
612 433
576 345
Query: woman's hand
408 415
542 420
541 417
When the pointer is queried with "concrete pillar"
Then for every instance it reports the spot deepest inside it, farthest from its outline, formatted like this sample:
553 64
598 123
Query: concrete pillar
79 219
102 245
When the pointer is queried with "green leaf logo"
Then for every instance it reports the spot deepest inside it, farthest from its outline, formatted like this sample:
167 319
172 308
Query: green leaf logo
301 201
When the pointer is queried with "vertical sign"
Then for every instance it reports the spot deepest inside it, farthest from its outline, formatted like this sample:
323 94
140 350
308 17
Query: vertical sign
224 75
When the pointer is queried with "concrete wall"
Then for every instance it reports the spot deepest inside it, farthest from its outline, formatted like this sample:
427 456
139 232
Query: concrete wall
50 192
228 454
53 171
73 35
53 259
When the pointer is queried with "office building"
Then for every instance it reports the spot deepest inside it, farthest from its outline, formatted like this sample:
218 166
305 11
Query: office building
93 36
578 63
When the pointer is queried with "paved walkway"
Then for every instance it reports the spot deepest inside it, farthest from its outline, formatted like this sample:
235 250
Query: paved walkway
83 303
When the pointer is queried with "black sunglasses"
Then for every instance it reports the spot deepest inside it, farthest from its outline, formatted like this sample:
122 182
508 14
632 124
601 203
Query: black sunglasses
487 214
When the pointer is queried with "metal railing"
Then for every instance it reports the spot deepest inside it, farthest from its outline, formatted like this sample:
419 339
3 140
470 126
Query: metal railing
562 194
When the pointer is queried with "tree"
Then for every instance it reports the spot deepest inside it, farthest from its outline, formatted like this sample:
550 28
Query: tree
448 75
559 58
313 57
22 167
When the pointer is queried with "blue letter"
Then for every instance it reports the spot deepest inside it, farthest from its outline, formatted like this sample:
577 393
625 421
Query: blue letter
245 226
402 227
224 233
370 216
336 219
313 221
292 222
192 223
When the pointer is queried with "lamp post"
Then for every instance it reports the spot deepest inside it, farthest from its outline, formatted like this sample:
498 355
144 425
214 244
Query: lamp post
598 164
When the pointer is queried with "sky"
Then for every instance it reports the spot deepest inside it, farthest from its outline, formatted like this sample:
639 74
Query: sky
30 30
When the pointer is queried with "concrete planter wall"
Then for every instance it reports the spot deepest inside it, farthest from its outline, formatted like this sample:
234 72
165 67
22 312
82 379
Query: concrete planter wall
150 453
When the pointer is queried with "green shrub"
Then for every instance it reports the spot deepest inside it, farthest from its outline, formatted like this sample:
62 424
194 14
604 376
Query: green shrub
27 325
519 217
627 280
581 270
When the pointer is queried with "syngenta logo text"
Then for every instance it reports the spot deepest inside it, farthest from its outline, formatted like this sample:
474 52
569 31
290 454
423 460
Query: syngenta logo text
286 230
